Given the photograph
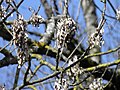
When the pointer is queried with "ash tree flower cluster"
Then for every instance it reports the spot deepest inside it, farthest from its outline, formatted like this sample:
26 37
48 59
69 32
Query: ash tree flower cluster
2 12
118 14
20 38
65 31
36 19
96 84
96 39
75 70
66 28
61 84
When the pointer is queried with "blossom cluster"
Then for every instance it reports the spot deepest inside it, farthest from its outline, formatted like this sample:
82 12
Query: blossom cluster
2 12
96 84
66 28
20 39
61 84
36 19
96 39
75 70
118 14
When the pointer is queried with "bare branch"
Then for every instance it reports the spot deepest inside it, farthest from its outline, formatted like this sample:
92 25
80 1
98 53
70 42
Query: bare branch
48 9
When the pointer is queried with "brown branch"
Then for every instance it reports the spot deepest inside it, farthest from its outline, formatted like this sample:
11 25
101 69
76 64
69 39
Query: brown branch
8 61
4 33
105 13
27 71
47 7
49 32
16 77
52 53
90 16
55 7
65 12
85 70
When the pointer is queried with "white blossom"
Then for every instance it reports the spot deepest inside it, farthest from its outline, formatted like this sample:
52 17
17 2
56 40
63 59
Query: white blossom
65 31
36 19
118 14
20 38
75 70
96 84
61 84
96 39
2 12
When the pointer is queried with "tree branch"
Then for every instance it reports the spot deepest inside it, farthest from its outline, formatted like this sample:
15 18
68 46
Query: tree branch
91 23
48 9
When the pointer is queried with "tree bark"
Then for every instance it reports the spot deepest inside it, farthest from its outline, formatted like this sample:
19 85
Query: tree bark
91 23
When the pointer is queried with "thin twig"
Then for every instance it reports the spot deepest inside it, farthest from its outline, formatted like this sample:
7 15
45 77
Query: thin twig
5 46
102 53
13 10
7 29
105 14
84 70
27 71
56 7
16 78
66 8
112 7
111 77
73 52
